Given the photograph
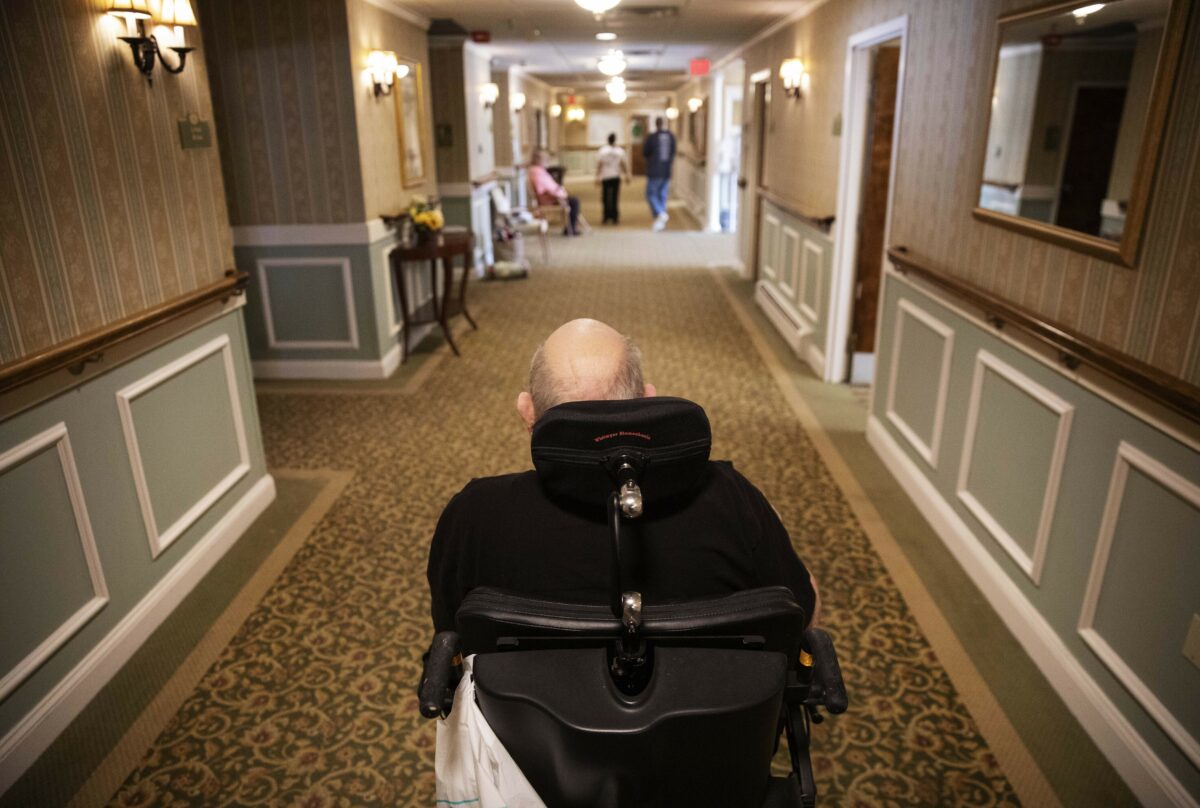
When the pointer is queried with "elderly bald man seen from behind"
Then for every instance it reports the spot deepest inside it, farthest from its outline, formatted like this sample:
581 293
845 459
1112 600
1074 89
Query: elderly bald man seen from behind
506 532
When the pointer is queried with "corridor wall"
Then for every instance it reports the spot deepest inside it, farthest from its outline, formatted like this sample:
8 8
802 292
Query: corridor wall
466 146
312 165
125 479
1072 501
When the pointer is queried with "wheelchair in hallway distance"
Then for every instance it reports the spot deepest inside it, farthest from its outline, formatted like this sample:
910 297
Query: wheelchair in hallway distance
631 703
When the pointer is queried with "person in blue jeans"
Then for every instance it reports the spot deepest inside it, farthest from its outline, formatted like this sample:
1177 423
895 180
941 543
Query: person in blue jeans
659 150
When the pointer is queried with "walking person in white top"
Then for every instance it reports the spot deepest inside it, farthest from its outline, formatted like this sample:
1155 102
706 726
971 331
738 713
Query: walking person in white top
611 165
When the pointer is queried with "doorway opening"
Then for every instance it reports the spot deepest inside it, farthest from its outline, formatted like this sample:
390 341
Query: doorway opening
755 145
871 116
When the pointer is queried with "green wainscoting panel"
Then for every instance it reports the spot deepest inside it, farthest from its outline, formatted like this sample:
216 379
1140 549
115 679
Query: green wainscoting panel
1014 436
309 303
1011 457
186 416
803 267
44 571
457 210
173 445
1156 538
915 391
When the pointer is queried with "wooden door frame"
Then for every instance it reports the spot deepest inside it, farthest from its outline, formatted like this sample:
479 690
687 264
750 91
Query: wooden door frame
855 98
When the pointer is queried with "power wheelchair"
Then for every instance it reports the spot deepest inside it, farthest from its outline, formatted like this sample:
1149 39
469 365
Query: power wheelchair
632 703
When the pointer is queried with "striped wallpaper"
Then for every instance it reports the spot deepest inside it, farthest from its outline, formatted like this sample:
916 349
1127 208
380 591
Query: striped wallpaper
1150 312
102 214
285 109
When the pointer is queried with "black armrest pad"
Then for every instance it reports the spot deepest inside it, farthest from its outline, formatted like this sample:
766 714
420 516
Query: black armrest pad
443 668
827 674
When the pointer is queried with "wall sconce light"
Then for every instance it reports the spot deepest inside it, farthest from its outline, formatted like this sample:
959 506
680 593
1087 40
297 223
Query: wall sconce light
672 113
138 14
695 103
518 102
576 113
555 110
384 69
488 93
794 76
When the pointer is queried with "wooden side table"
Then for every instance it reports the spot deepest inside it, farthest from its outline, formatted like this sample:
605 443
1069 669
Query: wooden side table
444 304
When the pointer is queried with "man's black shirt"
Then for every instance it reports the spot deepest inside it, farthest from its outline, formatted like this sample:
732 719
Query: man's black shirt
506 532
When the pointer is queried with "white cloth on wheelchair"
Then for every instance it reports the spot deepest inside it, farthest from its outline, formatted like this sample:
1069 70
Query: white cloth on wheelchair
473 768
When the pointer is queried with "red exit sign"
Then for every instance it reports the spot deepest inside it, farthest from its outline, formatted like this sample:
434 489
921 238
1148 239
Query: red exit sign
699 67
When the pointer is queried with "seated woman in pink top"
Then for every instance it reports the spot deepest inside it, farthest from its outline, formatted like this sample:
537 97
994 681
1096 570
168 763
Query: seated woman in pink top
549 192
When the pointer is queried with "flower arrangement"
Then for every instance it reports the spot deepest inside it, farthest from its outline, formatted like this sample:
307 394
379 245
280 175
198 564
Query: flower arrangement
425 215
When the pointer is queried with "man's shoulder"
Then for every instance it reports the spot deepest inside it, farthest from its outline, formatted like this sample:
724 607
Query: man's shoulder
489 488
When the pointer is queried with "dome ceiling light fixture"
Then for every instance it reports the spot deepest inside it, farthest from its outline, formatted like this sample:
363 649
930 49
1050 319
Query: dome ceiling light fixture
612 63
597 6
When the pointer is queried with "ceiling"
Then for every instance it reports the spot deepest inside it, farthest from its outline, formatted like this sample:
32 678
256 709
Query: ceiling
555 39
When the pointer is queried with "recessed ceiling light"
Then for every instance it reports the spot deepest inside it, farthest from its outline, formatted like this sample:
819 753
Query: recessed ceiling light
606 36
597 6
1084 11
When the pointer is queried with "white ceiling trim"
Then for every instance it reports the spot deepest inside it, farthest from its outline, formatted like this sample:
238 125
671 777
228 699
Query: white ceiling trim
408 15
803 11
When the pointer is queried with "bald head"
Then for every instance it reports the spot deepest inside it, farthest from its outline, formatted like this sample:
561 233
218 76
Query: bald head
584 360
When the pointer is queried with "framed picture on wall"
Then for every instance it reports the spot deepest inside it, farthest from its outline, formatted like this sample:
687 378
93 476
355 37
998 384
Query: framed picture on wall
410 125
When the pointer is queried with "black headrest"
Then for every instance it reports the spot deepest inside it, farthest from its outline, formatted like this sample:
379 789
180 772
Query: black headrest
576 447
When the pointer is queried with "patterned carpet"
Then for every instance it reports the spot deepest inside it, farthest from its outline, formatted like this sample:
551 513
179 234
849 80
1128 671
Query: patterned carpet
312 703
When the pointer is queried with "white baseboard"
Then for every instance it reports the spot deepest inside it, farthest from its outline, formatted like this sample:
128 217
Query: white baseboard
328 368
815 358
41 725
1147 776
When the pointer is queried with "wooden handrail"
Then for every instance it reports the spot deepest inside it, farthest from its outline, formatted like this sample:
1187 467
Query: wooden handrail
822 223
1073 348
77 352
491 176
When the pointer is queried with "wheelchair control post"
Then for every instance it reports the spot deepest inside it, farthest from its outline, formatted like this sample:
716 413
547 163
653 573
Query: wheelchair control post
629 663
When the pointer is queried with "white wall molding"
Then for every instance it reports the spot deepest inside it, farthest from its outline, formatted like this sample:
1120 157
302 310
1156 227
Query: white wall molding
161 539
329 368
406 14
311 235
789 275
1030 563
347 276
770 245
57 437
1120 395
1147 776
22 745
927 450
810 276
1130 456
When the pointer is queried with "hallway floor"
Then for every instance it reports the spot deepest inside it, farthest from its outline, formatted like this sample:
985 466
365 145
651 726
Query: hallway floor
312 702
314 697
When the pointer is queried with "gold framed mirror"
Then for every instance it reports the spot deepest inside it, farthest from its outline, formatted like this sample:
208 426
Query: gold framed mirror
1079 101
410 125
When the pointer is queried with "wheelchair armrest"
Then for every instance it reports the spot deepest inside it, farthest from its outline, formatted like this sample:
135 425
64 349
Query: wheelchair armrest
827 674
443 669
